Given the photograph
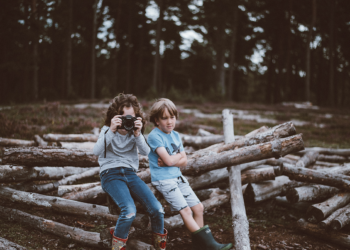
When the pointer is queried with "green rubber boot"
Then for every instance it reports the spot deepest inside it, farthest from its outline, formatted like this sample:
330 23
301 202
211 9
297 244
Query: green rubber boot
203 239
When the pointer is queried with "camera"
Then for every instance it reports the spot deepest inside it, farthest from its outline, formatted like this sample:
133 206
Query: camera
128 122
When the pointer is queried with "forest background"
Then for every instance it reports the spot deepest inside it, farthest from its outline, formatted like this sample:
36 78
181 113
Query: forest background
263 51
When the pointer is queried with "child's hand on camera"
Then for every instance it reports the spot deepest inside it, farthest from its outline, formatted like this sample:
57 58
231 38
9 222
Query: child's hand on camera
138 125
115 123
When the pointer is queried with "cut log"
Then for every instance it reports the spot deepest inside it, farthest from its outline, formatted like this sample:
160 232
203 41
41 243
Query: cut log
210 193
341 220
70 137
202 132
311 193
257 192
335 237
8 245
333 158
329 151
317 177
258 175
290 185
6 142
54 185
240 222
89 146
279 131
307 160
327 222
256 131
9 173
39 141
80 236
65 206
76 188
276 148
201 141
49 156
322 210
92 195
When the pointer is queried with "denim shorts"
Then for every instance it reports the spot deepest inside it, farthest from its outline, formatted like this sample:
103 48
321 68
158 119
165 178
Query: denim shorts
177 192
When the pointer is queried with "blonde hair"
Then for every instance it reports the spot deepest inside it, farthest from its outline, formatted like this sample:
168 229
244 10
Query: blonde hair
159 107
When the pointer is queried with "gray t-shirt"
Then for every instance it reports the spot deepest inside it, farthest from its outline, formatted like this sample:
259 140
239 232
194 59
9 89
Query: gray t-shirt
122 150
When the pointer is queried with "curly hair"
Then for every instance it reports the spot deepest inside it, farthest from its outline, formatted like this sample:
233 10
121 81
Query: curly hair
125 100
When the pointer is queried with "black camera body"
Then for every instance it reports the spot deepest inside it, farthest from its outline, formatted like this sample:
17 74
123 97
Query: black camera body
128 122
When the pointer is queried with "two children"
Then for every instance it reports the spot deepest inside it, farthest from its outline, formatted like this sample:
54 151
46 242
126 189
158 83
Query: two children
117 150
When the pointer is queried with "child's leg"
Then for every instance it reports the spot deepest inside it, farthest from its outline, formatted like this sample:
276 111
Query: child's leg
116 186
188 219
198 214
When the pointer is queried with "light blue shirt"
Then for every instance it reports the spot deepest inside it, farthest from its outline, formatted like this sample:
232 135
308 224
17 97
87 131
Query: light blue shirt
173 145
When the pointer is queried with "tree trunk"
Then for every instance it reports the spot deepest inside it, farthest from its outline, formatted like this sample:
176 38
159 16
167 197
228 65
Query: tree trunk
69 51
341 220
5 142
9 173
279 131
233 50
8 245
61 205
35 52
158 37
311 193
64 189
331 55
129 49
329 151
70 137
307 160
86 238
290 185
317 177
308 52
334 237
327 222
333 158
93 51
257 192
39 141
322 210
54 185
257 175
276 148
92 195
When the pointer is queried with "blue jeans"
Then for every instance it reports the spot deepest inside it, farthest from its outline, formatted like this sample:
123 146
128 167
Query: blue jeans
122 184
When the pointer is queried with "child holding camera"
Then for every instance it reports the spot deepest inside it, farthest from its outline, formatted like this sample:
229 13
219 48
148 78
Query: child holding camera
166 159
118 145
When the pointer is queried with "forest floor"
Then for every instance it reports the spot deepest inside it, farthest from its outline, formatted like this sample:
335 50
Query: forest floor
271 226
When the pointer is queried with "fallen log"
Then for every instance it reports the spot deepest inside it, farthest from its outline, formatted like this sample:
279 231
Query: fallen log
333 158
317 177
92 195
39 141
279 131
311 193
10 173
258 175
202 132
6 142
70 137
276 148
290 185
300 206
88 146
334 237
200 141
328 151
307 160
80 236
327 222
320 211
49 156
65 206
209 193
341 220
257 192
257 131
54 185
63 189
8 245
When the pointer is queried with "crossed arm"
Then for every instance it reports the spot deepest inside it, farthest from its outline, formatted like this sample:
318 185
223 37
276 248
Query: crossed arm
165 160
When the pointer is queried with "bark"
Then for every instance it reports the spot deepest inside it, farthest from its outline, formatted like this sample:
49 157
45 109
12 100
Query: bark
5 142
257 192
308 53
92 195
49 156
61 205
64 189
88 146
200 141
158 38
257 131
69 51
202 132
341 220
322 210
276 148
307 175
133 244
279 131
300 206
290 185
210 193
39 141
329 151
327 222
333 158
231 74
307 160
35 58
311 193
86 238
93 50
70 137
9 173
257 175
54 185
334 237
228 126
8 245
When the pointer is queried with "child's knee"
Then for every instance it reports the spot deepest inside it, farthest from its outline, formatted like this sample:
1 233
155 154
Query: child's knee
198 209
186 211
157 211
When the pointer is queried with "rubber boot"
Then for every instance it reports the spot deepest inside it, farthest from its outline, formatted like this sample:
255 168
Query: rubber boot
159 240
203 239
118 243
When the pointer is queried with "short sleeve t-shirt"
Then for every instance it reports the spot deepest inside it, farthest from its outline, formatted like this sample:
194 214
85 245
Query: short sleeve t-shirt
173 145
